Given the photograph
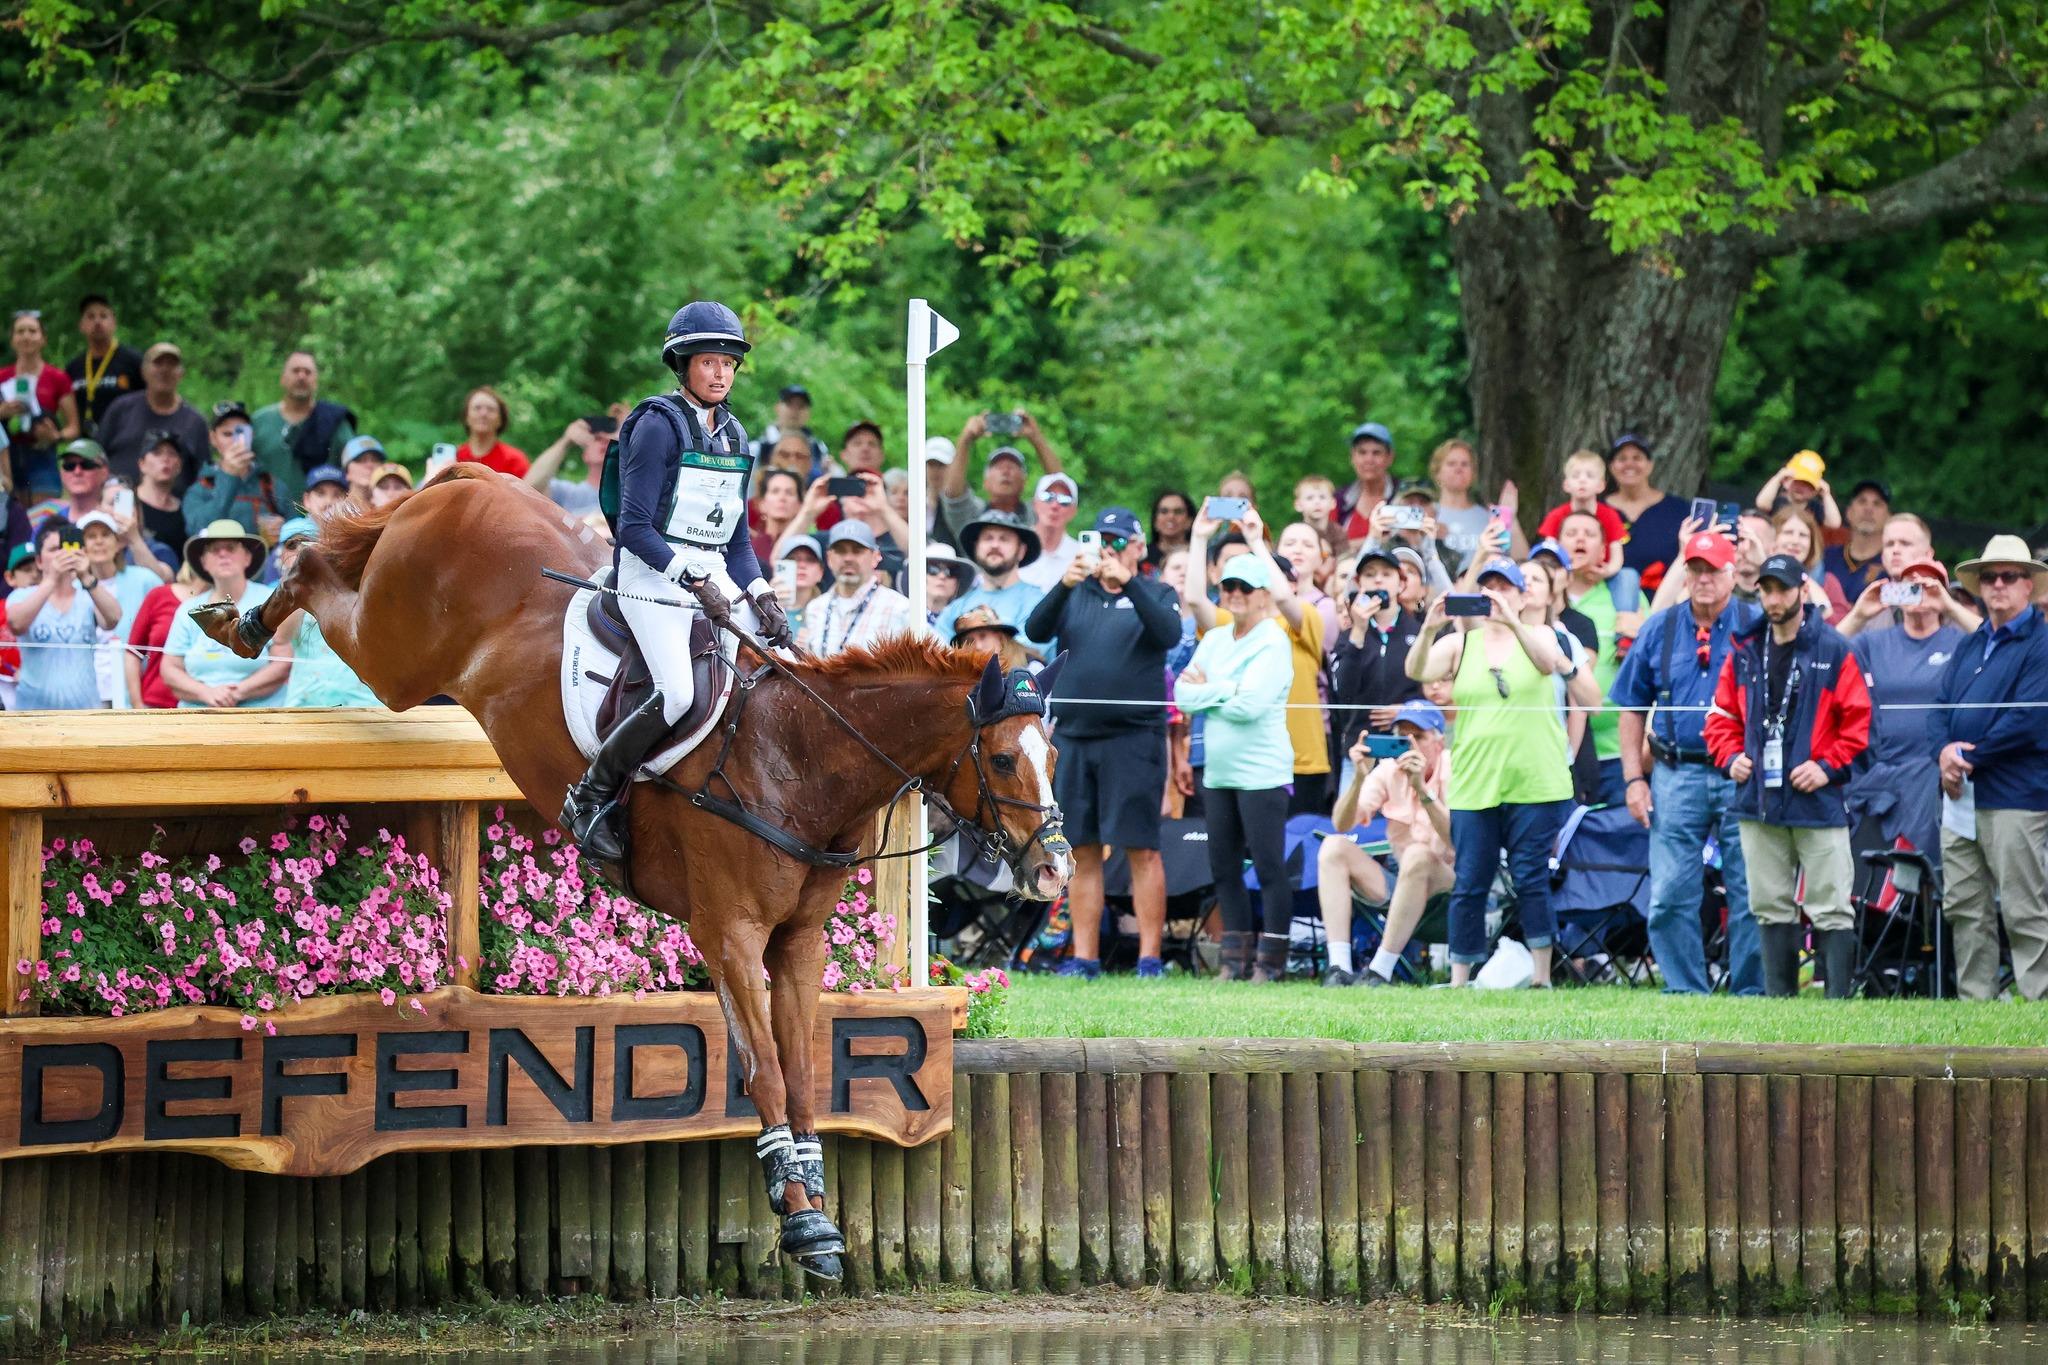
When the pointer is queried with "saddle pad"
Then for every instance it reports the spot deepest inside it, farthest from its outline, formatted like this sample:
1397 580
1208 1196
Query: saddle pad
584 654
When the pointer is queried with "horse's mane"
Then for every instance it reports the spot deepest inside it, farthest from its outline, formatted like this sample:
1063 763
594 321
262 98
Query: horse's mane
349 533
901 656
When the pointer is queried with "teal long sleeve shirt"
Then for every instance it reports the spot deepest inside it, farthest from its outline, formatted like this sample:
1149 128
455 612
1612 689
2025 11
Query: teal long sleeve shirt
1243 694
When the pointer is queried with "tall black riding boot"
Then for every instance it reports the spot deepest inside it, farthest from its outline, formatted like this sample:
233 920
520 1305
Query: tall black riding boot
1781 958
591 812
1838 957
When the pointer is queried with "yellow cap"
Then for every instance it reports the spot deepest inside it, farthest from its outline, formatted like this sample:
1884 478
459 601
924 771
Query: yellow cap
1807 465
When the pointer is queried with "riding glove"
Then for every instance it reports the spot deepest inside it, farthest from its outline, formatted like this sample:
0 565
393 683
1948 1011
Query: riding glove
774 621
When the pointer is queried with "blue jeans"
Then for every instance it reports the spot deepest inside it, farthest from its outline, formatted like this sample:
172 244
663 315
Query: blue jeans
1529 833
1691 803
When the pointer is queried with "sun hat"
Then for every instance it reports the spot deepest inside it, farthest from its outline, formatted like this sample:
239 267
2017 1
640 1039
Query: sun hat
939 558
980 616
993 519
226 528
2000 550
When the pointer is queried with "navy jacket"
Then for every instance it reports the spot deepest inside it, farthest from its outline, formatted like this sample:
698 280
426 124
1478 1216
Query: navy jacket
2011 757
1116 644
650 447
1828 722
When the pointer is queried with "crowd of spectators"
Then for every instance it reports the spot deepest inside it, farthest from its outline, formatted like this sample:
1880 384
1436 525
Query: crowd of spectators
1770 682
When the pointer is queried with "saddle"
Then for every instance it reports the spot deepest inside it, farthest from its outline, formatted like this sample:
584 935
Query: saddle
605 678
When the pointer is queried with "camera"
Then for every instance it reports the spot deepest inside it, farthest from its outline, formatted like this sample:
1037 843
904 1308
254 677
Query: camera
1899 594
1406 518
1003 423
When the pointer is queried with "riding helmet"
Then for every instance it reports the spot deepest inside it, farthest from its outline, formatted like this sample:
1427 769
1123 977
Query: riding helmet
700 327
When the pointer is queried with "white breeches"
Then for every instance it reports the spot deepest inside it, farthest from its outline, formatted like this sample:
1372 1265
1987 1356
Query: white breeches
664 632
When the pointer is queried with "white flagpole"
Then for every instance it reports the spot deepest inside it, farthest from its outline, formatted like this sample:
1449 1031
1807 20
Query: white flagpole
925 333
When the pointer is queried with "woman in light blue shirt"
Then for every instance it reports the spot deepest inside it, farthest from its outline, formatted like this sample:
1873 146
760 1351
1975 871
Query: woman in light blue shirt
57 621
1237 682
105 543
201 672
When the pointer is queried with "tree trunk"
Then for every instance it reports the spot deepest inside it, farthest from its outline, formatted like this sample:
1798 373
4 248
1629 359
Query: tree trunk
1572 345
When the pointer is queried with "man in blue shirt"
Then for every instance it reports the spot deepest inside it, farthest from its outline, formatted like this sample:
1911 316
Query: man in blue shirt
1000 543
1993 750
1673 666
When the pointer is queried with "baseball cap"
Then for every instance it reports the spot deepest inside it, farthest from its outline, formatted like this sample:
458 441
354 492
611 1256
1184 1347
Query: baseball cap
229 407
1411 558
1415 488
1005 453
1807 465
1502 568
1925 568
862 425
802 543
1119 521
1877 486
1049 482
794 391
169 348
89 450
1380 552
98 518
1628 438
391 469
1422 714
1783 570
1249 570
1711 546
298 527
1374 430
847 531
1549 546
21 554
938 450
325 473
161 436
361 446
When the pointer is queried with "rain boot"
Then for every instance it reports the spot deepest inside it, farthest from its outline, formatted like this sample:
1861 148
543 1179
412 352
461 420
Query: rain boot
1781 958
592 811
1234 963
1272 965
1838 956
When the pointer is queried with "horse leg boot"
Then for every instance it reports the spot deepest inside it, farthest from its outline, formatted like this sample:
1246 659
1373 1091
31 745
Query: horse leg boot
593 810
796 961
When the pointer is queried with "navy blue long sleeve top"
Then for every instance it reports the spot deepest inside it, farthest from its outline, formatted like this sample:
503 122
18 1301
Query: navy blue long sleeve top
652 453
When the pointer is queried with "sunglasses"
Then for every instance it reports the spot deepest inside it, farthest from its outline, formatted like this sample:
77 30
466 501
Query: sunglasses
21 313
1500 683
2000 577
1115 544
1703 651
1057 499
76 466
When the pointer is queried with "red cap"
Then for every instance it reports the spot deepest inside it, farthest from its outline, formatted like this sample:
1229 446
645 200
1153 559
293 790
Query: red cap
1711 546
1930 568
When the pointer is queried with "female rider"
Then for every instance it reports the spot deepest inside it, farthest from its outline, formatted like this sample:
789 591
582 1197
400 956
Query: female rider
681 513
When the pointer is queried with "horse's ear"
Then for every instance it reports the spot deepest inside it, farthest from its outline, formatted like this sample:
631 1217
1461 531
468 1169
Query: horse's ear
987 698
1050 674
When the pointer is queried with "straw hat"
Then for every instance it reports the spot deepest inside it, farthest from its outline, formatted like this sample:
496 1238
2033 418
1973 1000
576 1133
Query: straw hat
2000 550
227 528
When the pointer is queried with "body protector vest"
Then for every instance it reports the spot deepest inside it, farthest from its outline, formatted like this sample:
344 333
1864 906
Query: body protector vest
704 487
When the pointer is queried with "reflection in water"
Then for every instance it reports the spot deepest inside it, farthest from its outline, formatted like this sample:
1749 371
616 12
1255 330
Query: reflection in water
1247 1341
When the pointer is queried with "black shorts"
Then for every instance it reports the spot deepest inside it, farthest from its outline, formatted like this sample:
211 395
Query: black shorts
1109 789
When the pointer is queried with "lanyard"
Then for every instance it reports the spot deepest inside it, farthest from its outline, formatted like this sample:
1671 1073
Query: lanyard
1775 724
853 624
92 376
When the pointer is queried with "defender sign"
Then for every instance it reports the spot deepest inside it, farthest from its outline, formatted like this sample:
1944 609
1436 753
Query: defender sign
347 1078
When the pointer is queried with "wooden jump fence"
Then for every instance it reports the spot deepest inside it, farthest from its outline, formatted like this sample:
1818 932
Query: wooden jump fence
1550 1178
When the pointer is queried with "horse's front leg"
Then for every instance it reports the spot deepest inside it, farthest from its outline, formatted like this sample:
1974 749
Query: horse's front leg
796 962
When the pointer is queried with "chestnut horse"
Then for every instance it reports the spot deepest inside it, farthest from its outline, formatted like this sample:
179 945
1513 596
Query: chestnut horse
441 592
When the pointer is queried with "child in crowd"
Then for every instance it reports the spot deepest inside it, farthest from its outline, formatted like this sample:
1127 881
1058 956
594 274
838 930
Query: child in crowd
1585 479
1315 502
1799 484
22 572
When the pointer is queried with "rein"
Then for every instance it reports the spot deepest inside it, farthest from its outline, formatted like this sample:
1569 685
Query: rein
734 810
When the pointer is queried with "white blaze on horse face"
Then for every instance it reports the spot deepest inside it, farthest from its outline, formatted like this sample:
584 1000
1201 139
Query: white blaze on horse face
1038 754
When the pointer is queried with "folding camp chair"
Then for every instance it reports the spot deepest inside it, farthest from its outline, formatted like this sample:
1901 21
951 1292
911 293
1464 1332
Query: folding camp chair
1600 893
1901 934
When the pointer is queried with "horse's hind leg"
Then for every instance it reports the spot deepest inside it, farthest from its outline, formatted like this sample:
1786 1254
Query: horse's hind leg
733 955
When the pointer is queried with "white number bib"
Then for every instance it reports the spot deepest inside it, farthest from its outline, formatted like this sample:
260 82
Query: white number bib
711 499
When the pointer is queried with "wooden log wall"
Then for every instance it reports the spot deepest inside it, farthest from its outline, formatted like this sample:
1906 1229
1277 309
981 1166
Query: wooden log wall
1751 1181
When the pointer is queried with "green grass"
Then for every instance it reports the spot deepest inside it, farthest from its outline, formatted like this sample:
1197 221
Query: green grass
1184 1007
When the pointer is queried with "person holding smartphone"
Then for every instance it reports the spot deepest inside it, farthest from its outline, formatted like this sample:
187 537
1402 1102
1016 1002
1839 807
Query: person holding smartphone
1513 780
1369 665
234 486
60 619
1404 776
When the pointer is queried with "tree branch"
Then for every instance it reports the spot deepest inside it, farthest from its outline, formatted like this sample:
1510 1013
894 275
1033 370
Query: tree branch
1973 179
1910 31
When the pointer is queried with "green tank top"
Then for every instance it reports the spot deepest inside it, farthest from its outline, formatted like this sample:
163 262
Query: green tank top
1509 749
1604 725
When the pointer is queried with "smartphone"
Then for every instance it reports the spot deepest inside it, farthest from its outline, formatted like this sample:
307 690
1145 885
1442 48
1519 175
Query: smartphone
123 501
1226 509
1900 594
1731 513
1003 423
1091 542
1706 512
1385 746
846 486
443 455
1467 604
785 572
1407 519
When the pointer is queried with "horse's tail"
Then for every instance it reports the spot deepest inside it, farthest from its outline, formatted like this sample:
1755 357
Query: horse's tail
348 534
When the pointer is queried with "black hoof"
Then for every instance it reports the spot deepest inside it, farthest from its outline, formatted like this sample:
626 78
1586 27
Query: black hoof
823 1265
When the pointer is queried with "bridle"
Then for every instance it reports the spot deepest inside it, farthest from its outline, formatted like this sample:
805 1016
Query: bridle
991 845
